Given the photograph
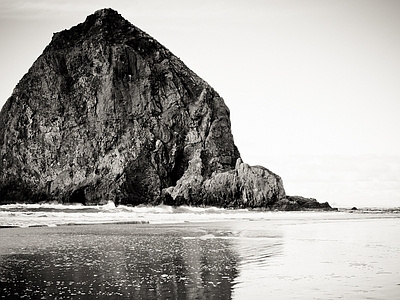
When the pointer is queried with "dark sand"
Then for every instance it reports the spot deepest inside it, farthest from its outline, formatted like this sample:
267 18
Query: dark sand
115 262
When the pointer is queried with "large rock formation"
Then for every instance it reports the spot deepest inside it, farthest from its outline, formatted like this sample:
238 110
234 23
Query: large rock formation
106 113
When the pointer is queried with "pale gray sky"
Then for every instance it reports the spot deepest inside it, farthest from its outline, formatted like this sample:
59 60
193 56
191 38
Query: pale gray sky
313 85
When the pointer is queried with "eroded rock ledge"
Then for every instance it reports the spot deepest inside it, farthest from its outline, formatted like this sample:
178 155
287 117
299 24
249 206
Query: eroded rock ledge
106 113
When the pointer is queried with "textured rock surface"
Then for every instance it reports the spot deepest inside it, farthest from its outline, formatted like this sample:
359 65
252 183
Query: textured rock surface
106 113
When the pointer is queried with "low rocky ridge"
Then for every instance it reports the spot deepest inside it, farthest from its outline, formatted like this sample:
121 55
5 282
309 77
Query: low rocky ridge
106 113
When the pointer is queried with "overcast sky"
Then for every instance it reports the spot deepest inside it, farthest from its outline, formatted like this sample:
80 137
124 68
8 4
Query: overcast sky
313 85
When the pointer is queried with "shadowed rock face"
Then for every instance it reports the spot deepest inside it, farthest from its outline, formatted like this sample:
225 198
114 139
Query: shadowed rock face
106 113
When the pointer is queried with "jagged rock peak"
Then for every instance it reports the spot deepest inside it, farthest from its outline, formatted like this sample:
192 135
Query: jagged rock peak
105 12
107 113
104 23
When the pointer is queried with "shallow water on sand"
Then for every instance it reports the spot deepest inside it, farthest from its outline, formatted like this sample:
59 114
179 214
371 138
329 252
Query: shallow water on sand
284 256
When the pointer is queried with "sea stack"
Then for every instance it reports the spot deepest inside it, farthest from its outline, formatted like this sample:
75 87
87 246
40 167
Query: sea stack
107 113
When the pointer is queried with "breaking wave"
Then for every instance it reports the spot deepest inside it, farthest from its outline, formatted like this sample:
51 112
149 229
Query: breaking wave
54 214
109 207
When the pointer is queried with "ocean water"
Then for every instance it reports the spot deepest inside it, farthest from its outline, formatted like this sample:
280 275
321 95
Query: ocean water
108 252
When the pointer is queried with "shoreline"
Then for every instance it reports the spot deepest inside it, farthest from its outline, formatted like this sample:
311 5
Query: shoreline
165 215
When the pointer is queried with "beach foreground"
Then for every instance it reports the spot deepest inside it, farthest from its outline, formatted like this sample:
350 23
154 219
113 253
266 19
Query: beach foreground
302 255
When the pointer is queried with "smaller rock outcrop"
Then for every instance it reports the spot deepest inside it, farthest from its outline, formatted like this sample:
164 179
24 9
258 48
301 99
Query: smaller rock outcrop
244 186
301 203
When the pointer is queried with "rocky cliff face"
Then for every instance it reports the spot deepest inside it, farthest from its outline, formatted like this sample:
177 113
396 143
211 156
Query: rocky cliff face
106 113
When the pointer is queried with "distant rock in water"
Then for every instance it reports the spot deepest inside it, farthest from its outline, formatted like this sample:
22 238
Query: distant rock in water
106 113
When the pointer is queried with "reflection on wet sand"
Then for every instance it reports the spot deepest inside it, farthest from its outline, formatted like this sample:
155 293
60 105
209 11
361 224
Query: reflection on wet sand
289 256
135 262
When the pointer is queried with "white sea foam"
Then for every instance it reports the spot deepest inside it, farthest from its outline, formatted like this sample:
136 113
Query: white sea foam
54 214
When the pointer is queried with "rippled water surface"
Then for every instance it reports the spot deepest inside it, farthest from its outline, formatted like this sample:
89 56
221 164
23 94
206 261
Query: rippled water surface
253 256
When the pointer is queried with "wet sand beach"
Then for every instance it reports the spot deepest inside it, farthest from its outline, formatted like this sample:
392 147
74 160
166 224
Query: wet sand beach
307 256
